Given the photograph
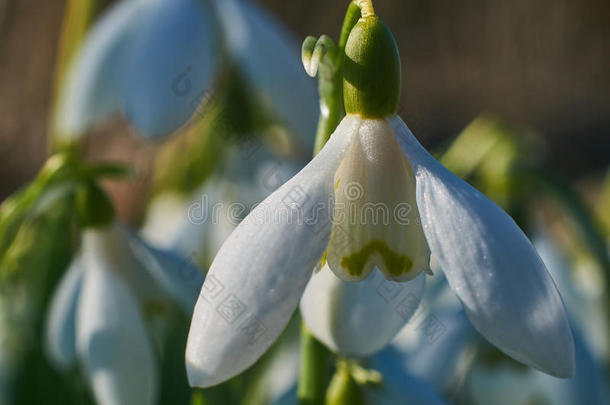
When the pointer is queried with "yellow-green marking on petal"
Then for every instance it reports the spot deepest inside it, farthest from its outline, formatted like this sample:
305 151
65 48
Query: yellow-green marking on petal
395 264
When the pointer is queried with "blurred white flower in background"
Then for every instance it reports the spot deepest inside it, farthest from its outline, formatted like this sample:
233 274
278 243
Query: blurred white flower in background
96 316
198 223
128 61
154 60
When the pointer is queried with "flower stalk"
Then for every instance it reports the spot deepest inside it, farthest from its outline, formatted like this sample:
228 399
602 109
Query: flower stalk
344 389
78 16
366 6
315 370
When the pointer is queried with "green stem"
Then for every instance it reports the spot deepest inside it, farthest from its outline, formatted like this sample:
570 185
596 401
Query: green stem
366 6
315 370
78 16
330 79
351 18
603 208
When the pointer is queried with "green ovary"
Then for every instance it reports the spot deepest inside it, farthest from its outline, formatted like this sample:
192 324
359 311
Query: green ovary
395 264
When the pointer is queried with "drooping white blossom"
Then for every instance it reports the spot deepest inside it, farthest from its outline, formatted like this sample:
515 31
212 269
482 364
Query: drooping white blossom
259 274
153 61
96 318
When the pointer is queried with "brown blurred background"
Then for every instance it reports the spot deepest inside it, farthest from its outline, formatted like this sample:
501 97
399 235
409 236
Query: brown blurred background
543 63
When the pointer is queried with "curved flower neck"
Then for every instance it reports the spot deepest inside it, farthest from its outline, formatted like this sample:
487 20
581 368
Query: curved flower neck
366 7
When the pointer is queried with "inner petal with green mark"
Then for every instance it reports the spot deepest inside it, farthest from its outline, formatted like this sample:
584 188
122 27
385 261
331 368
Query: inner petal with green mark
376 221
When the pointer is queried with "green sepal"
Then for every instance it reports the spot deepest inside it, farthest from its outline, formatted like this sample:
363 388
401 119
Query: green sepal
371 70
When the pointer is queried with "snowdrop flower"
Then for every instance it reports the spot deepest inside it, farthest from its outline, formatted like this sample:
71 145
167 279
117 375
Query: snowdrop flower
153 61
95 316
373 162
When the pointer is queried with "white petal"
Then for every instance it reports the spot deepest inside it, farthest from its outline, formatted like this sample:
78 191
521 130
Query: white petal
271 60
114 241
111 337
172 59
61 318
176 274
92 85
260 272
491 265
358 318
